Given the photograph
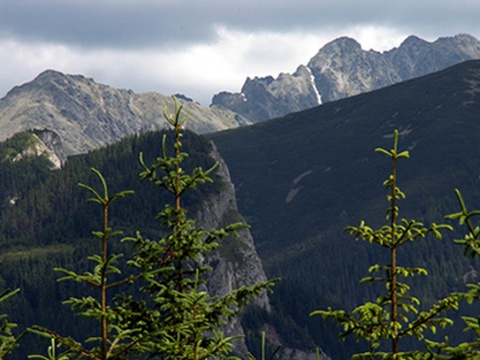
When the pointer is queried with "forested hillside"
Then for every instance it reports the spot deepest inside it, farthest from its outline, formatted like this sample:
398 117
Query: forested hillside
303 178
45 223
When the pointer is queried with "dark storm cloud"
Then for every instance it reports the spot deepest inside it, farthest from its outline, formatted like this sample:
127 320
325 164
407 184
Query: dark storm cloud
147 23
99 24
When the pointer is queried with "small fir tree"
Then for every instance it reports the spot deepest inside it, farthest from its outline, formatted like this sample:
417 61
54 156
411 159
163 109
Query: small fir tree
173 317
116 339
396 314
174 267
471 244
8 341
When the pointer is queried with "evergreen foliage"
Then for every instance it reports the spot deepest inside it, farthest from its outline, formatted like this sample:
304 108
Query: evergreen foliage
396 314
115 340
173 317
471 244
49 225
7 339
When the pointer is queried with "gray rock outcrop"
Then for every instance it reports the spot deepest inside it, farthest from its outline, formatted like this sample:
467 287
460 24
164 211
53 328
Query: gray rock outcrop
265 98
37 143
53 142
236 263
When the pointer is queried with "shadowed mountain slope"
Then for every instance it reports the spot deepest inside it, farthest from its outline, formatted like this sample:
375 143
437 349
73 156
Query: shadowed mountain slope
302 178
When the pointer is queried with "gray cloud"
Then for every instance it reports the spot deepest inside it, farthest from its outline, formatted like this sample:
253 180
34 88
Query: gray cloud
147 23
100 24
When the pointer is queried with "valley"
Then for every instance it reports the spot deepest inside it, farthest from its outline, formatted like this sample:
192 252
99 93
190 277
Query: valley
300 172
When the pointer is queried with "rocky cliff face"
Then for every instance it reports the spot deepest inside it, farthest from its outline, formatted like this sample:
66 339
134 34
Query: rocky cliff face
264 98
53 142
35 143
236 263
87 115
341 69
238 255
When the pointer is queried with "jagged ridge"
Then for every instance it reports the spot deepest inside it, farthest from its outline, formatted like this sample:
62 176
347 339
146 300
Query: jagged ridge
341 69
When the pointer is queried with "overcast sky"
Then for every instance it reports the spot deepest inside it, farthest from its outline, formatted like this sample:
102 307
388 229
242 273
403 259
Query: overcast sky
202 47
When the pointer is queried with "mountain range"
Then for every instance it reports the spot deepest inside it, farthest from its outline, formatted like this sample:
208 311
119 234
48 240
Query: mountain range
299 179
86 115
341 69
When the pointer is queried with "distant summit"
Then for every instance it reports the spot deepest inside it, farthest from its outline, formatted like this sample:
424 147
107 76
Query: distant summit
264 98
87 115
341 69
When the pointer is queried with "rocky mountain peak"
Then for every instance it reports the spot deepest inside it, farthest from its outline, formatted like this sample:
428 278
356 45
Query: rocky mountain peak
467 45
47 75
50 74
87 115
257 81
459 38
341 69
412 41
46 80
341 46
268 97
